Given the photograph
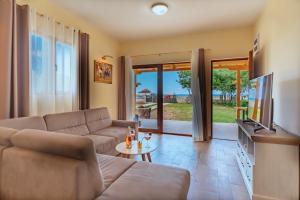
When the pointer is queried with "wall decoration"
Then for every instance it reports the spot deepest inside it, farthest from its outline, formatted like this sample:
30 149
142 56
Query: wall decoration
102 72
256 44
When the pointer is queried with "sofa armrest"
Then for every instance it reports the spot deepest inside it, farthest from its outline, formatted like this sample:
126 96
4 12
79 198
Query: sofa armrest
125 123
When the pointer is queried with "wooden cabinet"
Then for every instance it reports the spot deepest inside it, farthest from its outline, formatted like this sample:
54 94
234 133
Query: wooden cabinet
269 162
245 159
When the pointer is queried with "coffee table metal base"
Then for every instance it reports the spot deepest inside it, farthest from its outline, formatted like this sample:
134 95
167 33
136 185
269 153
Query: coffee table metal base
143 156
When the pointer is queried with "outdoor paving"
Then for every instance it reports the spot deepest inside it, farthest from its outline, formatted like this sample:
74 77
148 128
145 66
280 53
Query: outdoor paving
220 130
148 123
176 126
170 126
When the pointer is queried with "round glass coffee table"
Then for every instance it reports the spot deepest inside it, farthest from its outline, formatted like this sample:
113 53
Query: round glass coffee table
145 150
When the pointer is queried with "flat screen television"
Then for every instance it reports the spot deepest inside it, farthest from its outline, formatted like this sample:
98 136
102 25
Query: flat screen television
260 105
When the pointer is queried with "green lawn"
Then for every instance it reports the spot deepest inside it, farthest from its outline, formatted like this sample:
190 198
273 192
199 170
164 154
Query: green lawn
223 114
178 111
183 112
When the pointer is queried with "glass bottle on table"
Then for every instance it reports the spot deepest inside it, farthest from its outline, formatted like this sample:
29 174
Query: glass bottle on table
131 132
128 141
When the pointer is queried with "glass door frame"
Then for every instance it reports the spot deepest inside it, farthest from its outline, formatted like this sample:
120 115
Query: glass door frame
159 119
249 69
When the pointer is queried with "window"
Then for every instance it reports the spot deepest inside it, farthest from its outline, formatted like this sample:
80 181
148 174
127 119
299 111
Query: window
63 67
54 66
37 62
53 75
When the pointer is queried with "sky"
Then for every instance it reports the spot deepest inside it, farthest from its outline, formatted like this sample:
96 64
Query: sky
170 85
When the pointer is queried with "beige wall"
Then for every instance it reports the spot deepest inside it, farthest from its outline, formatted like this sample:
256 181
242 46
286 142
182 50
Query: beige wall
228 43
100 44
279 30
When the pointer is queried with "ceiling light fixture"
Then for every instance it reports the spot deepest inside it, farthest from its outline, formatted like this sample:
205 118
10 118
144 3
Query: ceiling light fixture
159 8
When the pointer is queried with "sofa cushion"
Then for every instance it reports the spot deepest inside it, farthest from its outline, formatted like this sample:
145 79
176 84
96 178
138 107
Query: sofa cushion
148 181
103 144
33 175
75 130
54 149
36 122
113 167
97 119
117 132
70 122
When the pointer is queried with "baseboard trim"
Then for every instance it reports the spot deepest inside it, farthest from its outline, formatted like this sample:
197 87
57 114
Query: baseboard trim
261 197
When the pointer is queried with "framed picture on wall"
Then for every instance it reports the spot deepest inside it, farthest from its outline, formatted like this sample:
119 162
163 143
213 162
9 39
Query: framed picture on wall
102 72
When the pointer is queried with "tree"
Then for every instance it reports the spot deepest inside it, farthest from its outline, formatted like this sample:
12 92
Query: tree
223 80
245 80
185 80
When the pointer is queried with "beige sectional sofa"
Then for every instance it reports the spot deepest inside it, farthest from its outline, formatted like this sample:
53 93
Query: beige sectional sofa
57 159
95 124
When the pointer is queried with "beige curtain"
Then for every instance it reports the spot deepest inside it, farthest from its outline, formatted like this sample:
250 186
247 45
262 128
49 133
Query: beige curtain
14 59
125 89
84 81
129 88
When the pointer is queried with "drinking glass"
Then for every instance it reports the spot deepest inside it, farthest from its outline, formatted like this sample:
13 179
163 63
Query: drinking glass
147 137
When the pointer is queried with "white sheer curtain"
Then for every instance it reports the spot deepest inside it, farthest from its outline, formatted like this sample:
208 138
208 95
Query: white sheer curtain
129 89
197 121
54 66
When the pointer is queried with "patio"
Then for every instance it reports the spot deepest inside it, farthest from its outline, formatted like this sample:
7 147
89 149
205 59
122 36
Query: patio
226 131
170 126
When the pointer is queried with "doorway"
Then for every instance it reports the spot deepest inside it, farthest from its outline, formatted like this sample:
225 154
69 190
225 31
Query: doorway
163 98
148 97
229 95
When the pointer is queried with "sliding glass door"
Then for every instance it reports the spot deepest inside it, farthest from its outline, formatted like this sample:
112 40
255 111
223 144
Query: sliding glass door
177 99
148 97
163 98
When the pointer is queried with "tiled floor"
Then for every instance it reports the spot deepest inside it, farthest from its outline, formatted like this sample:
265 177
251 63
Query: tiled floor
214 171
227 131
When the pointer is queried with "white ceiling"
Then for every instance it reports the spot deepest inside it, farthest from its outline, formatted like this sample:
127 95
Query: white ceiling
133 19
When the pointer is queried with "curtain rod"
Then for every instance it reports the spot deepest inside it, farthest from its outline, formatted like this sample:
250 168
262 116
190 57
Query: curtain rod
164 53
57 22
167 63
158 54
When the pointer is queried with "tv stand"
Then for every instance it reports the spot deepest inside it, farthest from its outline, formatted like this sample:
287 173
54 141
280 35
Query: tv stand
268 161
256 126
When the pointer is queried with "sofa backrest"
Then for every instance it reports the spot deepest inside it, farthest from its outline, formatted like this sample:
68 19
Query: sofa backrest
5 142
62 166
97 119
35 122
69 122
